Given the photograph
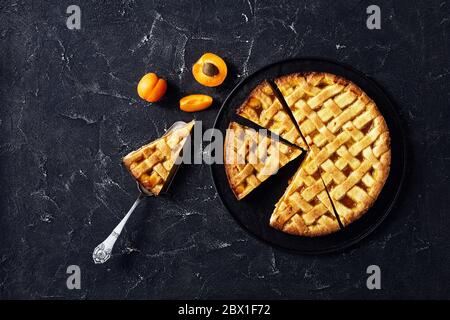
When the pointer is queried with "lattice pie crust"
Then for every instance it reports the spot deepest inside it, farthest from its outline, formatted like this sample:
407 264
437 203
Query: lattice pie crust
348 147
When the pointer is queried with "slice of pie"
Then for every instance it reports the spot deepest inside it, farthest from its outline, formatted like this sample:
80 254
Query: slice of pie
347 135
251 157
263 108
154 164
305 208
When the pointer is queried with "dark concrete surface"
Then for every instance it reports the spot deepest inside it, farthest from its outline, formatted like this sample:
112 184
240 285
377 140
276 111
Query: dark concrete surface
69 111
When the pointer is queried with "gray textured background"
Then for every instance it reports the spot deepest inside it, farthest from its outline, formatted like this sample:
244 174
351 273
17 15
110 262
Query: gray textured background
69 111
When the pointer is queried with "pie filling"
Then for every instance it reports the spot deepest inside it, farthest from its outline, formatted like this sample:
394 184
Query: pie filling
348 202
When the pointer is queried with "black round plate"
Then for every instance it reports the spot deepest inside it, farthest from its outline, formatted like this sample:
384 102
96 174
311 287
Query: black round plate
253 212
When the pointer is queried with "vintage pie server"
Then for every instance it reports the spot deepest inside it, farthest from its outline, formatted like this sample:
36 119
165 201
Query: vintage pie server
103 251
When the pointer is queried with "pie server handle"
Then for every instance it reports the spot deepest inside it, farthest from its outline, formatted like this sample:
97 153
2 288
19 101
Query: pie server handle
103 251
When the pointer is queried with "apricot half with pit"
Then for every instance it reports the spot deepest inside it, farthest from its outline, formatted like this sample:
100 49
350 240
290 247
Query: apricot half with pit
210 70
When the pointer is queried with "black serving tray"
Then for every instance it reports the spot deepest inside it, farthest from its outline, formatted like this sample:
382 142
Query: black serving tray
253 212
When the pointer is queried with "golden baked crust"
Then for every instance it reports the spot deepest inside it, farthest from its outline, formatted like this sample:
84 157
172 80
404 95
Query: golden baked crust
263 108
153 164
251 157
305 208
347 136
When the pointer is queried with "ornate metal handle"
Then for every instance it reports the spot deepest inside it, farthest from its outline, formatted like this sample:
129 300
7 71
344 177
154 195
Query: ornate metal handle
102 252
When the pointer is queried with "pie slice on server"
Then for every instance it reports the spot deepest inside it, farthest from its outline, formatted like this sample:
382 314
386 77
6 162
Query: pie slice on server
347 135
154 164
252 157
263 108
305 208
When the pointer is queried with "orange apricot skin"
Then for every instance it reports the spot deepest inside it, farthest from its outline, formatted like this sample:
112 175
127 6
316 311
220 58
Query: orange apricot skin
210 81
158 91
151 88
195 102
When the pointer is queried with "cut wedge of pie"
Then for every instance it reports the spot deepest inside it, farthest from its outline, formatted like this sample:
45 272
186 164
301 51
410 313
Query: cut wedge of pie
251 157
154 164
263 108
348 150
347 136
305 208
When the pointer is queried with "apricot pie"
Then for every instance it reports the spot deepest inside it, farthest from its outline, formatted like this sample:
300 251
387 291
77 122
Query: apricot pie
348 149
251 157
154 164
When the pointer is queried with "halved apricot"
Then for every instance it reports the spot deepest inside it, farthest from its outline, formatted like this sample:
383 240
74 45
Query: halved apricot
210 70
195 102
